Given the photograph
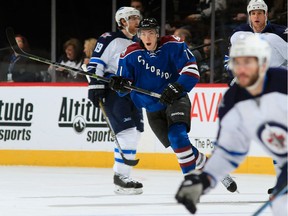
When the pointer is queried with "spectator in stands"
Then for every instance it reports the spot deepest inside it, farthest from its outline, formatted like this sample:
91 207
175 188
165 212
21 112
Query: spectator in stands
186 36
205 67
73 57
278 12
235 15
89 46
22 69
139 5
200 21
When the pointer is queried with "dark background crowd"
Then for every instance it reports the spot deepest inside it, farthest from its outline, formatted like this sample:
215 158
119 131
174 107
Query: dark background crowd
86 19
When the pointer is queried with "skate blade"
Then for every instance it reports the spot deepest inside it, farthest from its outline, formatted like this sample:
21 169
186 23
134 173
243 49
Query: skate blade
127 191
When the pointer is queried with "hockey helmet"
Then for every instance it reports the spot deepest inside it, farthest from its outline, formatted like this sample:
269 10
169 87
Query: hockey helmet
257 5
252 46
149 23
125 13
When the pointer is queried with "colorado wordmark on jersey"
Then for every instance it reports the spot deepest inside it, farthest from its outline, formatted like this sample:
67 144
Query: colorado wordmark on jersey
244 118
172 61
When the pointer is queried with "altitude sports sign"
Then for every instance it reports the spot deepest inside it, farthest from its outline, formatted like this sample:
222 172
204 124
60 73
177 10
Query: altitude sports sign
60 117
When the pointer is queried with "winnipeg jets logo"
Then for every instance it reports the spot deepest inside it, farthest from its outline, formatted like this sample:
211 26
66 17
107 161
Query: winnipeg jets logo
274 136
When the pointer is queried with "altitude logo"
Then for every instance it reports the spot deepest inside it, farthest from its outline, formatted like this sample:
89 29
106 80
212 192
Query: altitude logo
80 115
15 120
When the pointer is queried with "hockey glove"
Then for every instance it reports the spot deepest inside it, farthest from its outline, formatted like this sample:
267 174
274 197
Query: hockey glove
117 83
97 90
191 189
171 93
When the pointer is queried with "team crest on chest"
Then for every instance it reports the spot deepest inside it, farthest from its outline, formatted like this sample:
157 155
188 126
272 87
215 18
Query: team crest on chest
274 136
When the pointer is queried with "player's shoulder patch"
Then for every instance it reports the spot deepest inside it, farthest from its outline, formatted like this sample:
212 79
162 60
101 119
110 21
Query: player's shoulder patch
169 38
106 34
131 48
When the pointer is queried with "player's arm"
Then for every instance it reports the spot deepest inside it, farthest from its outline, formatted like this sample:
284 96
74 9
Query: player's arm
189 75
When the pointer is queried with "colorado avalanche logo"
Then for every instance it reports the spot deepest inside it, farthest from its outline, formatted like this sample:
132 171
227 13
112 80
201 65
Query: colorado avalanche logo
274 137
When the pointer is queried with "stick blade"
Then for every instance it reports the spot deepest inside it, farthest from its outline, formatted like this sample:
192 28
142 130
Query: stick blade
130 162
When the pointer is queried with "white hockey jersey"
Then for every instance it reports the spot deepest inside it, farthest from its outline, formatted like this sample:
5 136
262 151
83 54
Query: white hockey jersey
244 118
279 47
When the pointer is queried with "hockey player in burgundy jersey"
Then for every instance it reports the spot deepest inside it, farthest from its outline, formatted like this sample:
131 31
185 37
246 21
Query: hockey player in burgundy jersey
164 65
254 108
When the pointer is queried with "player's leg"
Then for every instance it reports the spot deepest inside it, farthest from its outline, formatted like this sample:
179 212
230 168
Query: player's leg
159 125
178 115
189 157
119 112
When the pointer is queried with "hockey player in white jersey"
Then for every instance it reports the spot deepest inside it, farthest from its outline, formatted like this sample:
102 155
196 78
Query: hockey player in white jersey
125 118
254 108
276 35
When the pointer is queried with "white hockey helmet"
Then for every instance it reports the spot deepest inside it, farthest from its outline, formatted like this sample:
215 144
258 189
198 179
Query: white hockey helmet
257 5
252 46
125 13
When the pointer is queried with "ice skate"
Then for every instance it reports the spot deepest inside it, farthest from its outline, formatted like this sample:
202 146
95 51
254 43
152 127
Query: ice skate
126 186
229 183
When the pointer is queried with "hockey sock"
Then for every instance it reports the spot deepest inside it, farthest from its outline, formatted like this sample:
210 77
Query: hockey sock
180 143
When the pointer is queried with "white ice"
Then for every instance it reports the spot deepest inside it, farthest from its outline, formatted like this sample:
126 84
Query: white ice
66 191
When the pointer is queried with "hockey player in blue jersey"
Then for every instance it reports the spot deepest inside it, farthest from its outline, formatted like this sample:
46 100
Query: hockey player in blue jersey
254 108
125 118
164 65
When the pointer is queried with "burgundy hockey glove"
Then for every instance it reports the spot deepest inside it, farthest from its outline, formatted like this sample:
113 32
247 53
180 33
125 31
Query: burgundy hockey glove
191 189
171 93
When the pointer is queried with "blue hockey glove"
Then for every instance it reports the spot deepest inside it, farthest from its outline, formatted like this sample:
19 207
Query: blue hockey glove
97 90
171 93
117 83
191 189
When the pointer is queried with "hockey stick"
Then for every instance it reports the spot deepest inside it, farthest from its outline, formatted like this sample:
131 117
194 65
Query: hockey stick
204 45
272 198
126 161
11 39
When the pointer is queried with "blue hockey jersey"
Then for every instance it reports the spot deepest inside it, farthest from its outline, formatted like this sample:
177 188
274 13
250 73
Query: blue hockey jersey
171 62
279 30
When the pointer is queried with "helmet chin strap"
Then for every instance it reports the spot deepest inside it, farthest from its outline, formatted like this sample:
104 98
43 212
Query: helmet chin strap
127 29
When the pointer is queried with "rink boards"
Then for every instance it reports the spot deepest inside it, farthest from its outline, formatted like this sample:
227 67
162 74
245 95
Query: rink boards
56 125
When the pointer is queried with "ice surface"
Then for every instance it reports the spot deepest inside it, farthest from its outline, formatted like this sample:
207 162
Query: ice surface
66 191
